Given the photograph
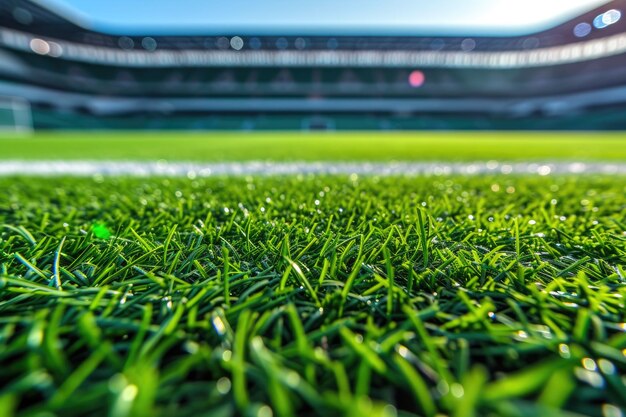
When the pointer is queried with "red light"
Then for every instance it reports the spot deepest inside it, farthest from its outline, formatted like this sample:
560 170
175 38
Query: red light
416 78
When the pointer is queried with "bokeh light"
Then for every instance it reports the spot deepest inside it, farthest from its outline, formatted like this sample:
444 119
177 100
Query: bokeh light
126 43
255 43
236 43
416 79
39 46
149 44
582 29
468 44
607 18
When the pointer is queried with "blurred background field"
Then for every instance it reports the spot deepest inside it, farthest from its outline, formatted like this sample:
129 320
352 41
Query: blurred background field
75 64
311 146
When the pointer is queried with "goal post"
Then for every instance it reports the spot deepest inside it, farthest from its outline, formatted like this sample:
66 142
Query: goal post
15 116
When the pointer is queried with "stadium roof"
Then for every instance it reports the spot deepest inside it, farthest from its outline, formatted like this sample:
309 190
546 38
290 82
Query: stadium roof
414 17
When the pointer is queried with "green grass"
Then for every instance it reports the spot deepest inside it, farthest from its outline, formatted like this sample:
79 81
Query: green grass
360 146
315 296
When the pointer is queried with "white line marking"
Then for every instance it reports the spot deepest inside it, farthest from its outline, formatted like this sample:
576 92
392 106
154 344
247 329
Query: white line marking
193 170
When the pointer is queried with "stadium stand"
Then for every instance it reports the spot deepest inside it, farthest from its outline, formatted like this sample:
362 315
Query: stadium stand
74 77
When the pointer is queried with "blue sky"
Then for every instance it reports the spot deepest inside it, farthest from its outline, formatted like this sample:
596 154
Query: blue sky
432 17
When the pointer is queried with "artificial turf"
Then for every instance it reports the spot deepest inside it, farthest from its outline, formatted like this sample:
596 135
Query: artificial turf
329 146
318 296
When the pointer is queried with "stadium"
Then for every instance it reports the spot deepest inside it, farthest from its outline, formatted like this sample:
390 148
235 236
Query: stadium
331 209
75 77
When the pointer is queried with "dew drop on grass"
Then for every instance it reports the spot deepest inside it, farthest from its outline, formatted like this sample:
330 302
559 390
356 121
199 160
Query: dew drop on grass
35 337
129 393
592 378
545 332
443 388
564 351
589 364
606 367
292 378
522 335
265 411
609 410
223 385
168 302
191 347
117 383
457 390
390 411
403 351
219 326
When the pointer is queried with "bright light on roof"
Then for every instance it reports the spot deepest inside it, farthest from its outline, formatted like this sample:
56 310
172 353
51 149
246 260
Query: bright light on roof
607 18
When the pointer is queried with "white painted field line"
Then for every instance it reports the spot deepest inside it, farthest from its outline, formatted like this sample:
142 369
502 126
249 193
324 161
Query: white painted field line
192 169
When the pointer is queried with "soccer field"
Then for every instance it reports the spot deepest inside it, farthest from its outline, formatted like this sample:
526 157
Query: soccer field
314 295
290 146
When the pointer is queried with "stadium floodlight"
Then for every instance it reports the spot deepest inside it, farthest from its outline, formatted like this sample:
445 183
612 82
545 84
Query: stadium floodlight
15 116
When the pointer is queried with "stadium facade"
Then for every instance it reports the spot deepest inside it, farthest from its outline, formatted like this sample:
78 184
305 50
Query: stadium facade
567 77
